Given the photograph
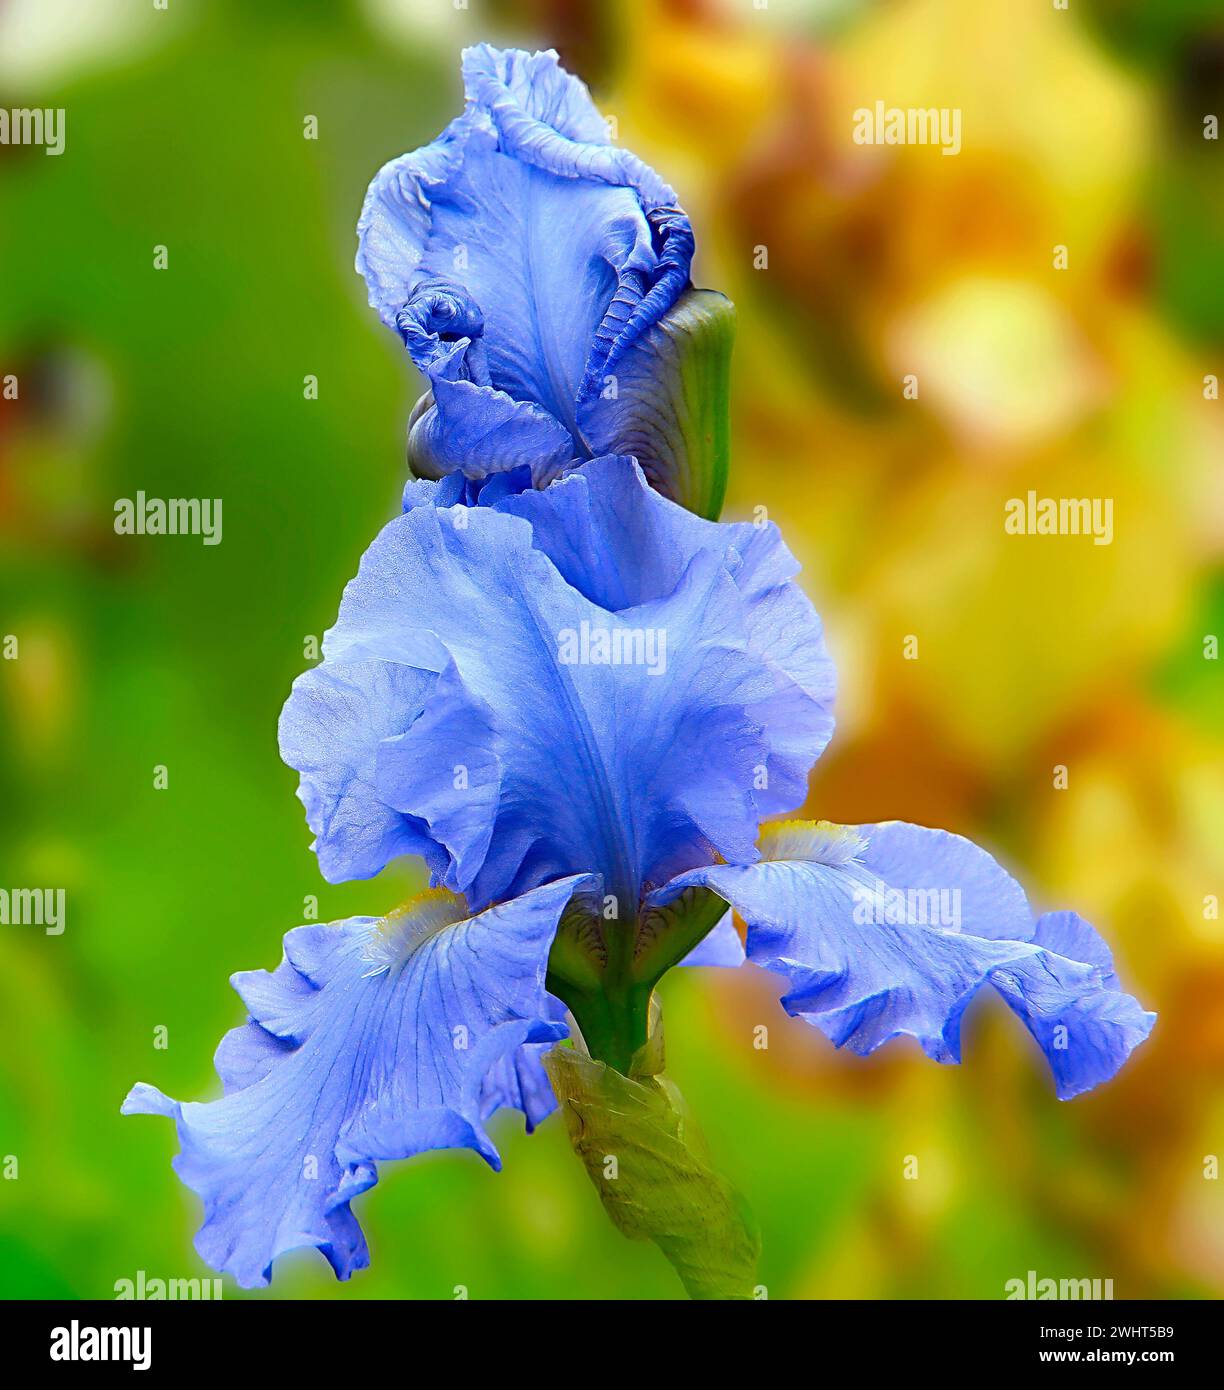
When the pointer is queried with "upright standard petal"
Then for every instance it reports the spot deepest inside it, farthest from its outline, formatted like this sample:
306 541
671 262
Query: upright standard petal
890 930
621 544
560 737
543 256
371 1040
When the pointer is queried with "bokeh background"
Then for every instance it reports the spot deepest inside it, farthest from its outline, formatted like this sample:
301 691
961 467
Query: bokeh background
185 128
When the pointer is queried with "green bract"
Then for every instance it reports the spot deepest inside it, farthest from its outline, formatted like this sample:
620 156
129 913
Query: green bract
649 1164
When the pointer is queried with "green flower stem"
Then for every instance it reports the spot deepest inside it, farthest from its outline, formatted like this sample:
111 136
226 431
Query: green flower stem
605 972
614 1020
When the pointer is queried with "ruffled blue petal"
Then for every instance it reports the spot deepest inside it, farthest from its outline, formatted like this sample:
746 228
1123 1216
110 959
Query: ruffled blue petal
621 544
331 729
371 1040
518 1080
545 117
890 930
958 878
478 430
455 490
395 218
861 982
1087 1034
543 256
520 256
1067 992
448 767
535 755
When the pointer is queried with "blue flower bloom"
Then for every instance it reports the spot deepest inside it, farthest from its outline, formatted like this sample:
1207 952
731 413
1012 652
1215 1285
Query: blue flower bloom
879 930
539 277
588 799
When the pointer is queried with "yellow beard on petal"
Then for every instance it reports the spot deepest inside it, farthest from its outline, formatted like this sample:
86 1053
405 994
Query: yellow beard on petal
818 842
402 932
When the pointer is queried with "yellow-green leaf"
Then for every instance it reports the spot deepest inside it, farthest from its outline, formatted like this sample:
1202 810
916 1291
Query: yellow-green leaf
652 1170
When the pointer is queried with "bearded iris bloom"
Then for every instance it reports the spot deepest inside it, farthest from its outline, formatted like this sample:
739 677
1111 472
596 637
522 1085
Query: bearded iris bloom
539 277
586 827
588 709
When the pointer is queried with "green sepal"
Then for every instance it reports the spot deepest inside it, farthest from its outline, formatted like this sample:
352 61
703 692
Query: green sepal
665 935
671 408
662 1186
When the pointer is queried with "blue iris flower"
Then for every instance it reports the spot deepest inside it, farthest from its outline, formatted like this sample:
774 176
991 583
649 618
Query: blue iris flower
579 704
539 277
